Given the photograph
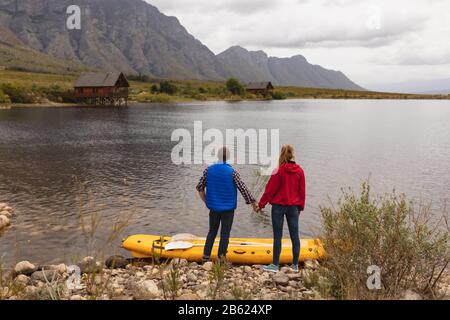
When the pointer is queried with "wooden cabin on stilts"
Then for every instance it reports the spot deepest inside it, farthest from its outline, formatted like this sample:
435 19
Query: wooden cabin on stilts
260 88
106 89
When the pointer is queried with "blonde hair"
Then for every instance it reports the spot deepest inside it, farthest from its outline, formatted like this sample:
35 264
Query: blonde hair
287 154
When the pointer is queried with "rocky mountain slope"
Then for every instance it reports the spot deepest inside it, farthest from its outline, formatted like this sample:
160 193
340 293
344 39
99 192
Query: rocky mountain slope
135 37
296 71
126 35
14 55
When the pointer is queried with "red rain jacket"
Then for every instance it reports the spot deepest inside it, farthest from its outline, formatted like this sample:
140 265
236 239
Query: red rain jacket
286 187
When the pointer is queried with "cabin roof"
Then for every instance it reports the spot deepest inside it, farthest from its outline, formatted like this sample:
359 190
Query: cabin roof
107 79
259 85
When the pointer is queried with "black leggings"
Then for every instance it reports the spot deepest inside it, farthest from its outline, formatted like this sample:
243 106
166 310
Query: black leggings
292 216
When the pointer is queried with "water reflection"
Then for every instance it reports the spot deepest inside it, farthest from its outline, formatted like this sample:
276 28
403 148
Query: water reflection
51 158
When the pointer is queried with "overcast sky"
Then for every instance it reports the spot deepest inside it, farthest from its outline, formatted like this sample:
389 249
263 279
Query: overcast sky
375 42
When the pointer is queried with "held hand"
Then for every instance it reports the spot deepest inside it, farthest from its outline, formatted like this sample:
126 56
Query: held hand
256 208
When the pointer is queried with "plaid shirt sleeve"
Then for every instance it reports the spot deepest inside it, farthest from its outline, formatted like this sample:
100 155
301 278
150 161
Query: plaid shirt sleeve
201 186
243 188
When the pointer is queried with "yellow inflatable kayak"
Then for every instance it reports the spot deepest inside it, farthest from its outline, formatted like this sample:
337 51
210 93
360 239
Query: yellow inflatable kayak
240 250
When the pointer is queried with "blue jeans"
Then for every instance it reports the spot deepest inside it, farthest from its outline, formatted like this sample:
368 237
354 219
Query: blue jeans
215 220
292 216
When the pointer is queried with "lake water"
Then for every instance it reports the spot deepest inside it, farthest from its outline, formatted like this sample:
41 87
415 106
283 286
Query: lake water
57 165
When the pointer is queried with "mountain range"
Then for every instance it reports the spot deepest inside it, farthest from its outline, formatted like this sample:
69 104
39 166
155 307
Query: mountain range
134 37
257 65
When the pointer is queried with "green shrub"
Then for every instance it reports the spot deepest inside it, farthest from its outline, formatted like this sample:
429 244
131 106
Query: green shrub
16 94
188 90
278 95
168 88
67 96
220 92
54 93
290 94
235 87
154 89
4 98
387 232
139 77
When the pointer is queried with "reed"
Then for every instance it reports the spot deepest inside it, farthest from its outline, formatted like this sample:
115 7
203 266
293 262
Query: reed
216 277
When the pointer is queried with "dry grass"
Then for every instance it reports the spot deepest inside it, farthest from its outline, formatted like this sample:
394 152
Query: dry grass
171 283
217 278
318 93
28 79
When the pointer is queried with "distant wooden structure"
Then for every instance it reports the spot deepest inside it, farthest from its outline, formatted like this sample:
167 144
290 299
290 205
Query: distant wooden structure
102 89
260 88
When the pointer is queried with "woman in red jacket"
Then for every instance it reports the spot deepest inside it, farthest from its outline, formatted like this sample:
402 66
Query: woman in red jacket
286 192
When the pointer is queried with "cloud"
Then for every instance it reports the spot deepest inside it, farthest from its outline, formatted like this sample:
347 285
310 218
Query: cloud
240 7
248 6
299 23
329 33
360 37
327 24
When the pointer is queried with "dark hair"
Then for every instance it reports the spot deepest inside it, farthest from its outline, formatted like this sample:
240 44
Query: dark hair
223 154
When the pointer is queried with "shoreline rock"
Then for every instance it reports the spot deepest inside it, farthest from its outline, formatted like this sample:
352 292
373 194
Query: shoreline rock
6 213
25 268
122 279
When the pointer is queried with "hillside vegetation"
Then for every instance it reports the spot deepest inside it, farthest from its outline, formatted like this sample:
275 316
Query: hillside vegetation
20 87
19 58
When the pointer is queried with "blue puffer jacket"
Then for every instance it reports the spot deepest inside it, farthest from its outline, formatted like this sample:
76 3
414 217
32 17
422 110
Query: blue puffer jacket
221 191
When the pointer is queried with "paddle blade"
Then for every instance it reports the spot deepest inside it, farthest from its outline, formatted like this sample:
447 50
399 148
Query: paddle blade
178 245
184 237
